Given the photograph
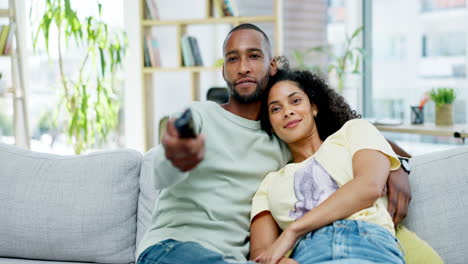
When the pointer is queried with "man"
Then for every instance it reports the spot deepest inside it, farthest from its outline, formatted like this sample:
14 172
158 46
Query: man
207 183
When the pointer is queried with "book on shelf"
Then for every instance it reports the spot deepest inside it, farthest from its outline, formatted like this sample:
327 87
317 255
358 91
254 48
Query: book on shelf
191 51
147 61
9 41
187 55
152 54
195 51
226 8
151 9
4 32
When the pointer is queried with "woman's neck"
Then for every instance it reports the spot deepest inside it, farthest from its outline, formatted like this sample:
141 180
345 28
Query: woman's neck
306 147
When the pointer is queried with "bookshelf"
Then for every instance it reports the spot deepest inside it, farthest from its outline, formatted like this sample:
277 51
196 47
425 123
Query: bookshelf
181 29
17 89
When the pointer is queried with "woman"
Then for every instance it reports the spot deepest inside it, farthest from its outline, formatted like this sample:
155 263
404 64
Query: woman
330 203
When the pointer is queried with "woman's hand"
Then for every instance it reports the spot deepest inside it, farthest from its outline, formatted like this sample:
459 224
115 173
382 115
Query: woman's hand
275 253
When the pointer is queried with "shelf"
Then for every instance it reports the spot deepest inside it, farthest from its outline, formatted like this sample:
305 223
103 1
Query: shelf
4 13
149 70
214 20
7 92
457 130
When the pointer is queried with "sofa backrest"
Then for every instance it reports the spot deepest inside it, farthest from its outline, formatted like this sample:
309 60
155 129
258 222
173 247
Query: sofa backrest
69 208
438 211
147 200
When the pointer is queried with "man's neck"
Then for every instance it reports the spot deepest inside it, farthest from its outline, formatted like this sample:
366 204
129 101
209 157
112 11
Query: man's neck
249 111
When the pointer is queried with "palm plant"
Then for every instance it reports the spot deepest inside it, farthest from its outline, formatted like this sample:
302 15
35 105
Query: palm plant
339 63
89 99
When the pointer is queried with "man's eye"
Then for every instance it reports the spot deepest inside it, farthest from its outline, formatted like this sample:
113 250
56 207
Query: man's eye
232 59
255 56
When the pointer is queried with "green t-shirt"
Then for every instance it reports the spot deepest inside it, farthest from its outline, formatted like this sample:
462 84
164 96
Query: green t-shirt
211 204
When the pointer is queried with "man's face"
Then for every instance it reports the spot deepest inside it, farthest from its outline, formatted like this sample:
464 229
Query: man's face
247 65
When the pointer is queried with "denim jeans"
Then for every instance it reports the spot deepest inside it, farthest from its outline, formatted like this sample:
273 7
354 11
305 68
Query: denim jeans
175 252
348 241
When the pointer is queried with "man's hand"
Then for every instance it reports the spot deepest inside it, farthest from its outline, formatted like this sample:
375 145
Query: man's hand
399 195
184 153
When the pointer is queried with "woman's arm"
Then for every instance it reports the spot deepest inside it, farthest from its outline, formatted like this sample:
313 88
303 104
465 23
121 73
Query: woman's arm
371 169
263 233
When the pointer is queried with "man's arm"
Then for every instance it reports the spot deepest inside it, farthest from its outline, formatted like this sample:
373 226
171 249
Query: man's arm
398 189
176 156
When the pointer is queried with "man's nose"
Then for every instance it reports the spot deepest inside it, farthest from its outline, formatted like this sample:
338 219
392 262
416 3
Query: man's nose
244 67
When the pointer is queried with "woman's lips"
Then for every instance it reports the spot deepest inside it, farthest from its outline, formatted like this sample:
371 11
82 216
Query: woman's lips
292 123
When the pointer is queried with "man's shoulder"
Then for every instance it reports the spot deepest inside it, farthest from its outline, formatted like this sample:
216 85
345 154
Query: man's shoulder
205 106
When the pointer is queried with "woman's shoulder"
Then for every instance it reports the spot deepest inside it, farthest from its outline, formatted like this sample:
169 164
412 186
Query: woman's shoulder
356 126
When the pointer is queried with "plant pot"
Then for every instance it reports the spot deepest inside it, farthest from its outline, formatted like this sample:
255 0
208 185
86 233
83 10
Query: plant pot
444 115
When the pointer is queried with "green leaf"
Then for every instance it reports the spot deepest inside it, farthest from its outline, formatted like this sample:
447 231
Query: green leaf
356 66
103 62
357 32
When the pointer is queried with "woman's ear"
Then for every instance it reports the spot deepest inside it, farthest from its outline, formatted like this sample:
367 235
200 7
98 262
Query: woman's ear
314 110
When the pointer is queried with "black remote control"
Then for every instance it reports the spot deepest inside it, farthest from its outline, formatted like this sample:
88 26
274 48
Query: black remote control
185 126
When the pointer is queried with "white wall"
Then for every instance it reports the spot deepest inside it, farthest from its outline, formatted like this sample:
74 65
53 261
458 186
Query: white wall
304 26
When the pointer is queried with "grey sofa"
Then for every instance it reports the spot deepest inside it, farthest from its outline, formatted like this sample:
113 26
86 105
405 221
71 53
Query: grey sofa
95 208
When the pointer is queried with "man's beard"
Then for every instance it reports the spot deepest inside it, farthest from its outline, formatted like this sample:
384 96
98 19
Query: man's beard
250 98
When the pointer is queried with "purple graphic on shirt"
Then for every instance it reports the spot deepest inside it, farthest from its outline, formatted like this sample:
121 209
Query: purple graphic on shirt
312 185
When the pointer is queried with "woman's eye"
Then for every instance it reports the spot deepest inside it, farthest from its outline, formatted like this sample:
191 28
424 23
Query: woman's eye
297 100
275 109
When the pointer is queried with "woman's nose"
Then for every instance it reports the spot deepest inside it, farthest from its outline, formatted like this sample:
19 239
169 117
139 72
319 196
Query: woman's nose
286 115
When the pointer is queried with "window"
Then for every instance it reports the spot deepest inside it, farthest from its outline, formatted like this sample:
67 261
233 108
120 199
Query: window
416 46
43 75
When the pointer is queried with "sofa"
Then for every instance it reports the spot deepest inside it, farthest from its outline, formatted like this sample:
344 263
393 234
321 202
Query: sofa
95 208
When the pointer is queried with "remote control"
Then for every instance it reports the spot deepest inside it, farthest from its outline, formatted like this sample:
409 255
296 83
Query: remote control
184 125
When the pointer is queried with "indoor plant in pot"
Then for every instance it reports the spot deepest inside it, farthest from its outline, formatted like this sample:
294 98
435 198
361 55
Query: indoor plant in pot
443 99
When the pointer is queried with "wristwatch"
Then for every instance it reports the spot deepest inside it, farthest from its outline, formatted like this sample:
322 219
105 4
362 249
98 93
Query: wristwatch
405 164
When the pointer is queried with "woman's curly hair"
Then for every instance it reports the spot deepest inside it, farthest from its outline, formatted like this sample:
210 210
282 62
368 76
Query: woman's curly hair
333 111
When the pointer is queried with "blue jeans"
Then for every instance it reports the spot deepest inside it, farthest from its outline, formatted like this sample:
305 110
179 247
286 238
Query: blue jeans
348 241
175 252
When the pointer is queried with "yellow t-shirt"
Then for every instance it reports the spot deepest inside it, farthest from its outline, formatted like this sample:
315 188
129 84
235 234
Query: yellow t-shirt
299 187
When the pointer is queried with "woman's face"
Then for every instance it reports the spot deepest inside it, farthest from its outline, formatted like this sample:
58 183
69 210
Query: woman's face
290 112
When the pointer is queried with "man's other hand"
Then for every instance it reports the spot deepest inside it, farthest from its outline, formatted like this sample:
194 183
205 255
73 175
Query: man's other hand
184 153
399 195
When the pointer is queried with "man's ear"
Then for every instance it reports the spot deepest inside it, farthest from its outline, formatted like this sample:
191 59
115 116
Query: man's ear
224 77
273 67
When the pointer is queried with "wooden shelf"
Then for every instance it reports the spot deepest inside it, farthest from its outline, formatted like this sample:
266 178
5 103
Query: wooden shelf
6 92
458 130
214 20
4 13
149 70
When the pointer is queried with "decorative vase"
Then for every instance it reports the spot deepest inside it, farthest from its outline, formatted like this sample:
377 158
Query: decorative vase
444 115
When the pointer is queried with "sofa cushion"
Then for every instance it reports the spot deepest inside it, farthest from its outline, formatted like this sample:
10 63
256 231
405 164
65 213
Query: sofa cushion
32 261
439 208
147 200
68 208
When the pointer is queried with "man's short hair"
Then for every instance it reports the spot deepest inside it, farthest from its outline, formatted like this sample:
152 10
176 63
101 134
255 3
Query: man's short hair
248 26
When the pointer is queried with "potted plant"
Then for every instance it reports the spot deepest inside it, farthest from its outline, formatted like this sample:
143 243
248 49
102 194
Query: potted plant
349 61
89 102
443 99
